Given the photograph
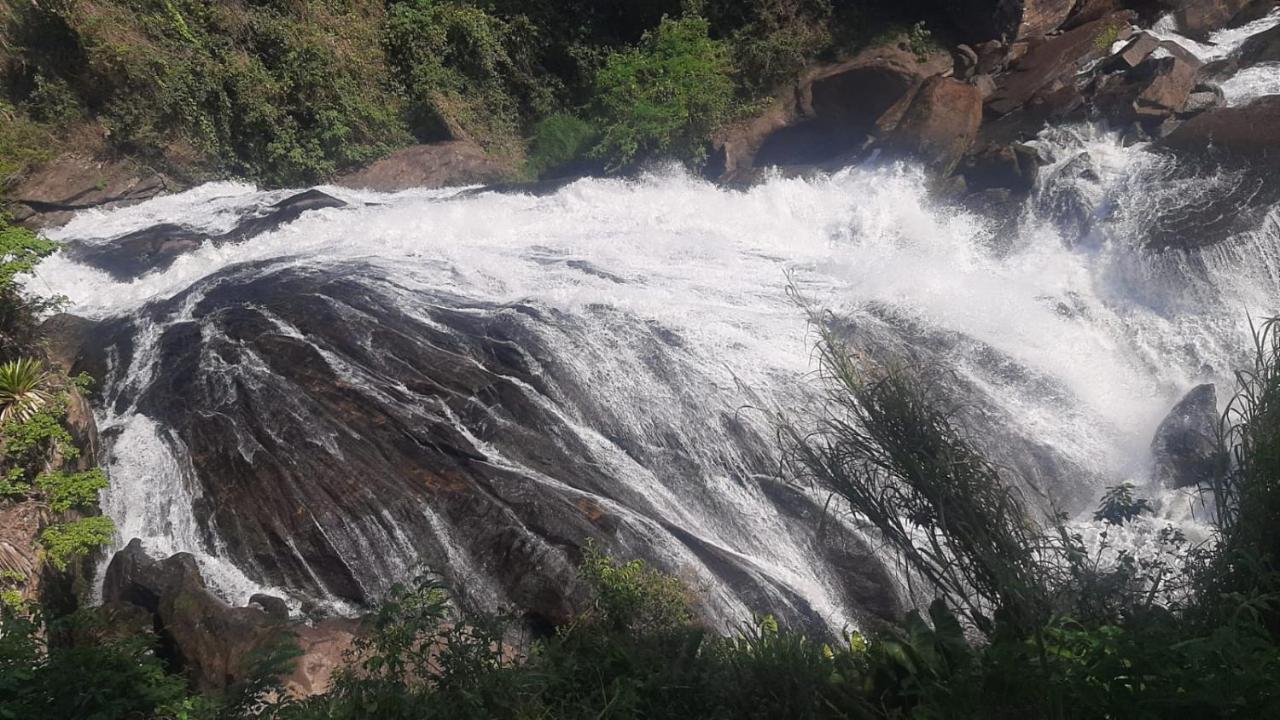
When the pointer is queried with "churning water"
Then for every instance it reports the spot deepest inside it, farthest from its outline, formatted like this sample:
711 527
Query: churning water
1066 323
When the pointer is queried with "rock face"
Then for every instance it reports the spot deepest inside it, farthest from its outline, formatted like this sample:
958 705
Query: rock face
155 248
210 640
444 164
829 114
1248 131
1263 47
940 125
1011 19
51 195
391 430
1198 18
1185 446
1051 66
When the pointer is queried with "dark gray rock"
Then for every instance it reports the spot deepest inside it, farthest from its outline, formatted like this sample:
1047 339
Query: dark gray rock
1185 447
1263 47
275 608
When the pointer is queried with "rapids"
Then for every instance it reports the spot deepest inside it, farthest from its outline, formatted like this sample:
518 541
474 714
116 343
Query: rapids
610 349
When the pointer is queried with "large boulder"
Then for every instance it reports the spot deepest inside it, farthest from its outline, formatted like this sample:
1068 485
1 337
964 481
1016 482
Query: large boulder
1155 89
1008 19
1249 131
940 125
211 640
828 114
1198 18
1263 47
443 164
1013 167
1185 448
1051 67
77 181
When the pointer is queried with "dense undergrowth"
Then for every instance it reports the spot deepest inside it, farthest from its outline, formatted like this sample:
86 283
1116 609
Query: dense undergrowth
41 461
293 91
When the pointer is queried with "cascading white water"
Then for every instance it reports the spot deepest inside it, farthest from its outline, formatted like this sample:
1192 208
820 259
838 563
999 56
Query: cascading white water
1116 332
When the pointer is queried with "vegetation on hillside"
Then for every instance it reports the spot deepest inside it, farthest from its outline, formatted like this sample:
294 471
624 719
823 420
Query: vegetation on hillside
293 92
39 457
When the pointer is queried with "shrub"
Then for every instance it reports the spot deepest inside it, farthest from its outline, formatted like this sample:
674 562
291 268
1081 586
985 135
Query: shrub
72 491
466 73
665 97
24 389
1119 506
23 145
633 597
557 141
66 542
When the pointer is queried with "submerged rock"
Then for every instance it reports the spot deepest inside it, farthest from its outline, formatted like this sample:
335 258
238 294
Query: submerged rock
1185 447
157 247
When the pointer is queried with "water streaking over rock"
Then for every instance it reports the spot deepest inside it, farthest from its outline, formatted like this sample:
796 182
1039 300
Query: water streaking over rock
482 382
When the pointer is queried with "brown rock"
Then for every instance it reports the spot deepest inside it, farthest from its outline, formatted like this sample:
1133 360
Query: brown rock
444 164
1171 81
1132 55
1251 131
1055 62
1011 19
210 638
1198 18
51 194
1013 167
940 125
828 114
1086 11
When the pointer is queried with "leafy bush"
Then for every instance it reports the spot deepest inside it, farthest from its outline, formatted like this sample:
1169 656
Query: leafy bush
23 144
66 542
466 73
1119 506
557 141
108 677
72 491
665 97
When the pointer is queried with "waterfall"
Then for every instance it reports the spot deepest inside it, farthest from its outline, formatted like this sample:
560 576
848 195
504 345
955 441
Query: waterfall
477 381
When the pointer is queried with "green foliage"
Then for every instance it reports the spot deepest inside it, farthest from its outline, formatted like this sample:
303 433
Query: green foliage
106 677
633 597
23 144
665 97
20 251
66 542
557 141
466 73
72 491
1119 506
25 389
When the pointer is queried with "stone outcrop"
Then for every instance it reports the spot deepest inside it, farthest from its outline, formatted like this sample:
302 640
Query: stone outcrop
1185 447
1013 167
829 114
1048 71
1153 90
443 164
155 248
1263 47
52 194
1249 131
1198 18
210 640
940 125
1010 19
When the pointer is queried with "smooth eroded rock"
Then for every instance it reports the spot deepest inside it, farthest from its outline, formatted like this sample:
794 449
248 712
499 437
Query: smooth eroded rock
940 125
1185 447
443 164
1250 132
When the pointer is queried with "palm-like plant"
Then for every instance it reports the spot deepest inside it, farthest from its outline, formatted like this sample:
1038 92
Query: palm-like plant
24 389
